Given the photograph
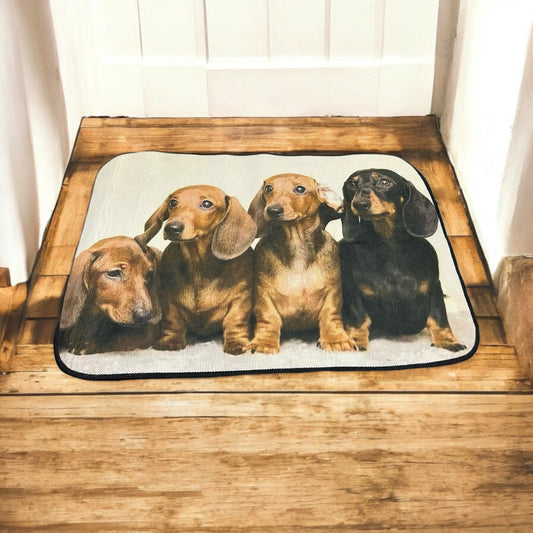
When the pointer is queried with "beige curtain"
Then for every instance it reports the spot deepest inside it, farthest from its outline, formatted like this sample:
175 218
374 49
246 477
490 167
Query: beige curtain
33 136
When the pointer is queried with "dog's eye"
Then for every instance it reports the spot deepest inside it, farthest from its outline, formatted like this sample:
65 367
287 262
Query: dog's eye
353 183
149 276
115 274
172 203
268 189
299 189
206 204
385 183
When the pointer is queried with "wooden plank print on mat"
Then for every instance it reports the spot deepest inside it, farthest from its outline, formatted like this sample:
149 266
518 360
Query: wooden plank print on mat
193 265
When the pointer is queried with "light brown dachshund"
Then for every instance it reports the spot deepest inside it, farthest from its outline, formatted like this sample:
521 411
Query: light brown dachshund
207 269
298 282
111 301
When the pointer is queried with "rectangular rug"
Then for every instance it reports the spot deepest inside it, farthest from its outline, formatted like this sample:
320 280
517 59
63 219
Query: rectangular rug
129 189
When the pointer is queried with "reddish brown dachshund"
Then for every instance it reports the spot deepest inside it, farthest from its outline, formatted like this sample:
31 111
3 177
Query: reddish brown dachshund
207 269
298 281
111 301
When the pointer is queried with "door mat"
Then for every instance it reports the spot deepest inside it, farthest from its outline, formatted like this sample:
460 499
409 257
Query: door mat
125 298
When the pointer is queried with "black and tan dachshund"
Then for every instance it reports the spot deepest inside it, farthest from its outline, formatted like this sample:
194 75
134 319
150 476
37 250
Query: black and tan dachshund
390 272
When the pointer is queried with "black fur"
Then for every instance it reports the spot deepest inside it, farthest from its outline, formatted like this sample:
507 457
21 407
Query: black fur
390 273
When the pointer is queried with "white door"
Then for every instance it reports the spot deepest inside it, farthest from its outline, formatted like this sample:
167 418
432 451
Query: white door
246 57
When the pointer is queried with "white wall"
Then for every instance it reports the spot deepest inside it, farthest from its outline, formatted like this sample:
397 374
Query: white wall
487 121
33 137
446 35
516 225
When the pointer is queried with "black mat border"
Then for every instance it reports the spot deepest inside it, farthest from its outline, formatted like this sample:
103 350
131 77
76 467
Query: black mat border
214 374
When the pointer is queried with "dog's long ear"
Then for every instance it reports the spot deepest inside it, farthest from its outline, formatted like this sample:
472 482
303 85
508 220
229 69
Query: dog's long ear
330 198
154 256
235 233
353 228
76 292
153 225
419 214
331 206
256 211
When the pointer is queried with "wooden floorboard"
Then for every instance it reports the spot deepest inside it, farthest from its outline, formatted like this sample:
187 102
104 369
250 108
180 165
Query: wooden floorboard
241 462
445 448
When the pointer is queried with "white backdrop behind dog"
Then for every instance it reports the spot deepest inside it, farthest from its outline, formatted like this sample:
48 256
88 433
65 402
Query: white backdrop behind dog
130 187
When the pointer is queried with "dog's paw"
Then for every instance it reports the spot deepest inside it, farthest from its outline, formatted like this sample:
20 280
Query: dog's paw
236 347
444 338
264 347
79 348
451 346
360 337
76 350
170 343
343 343
361 345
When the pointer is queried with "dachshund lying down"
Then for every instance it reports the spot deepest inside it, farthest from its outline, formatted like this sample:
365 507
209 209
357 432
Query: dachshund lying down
206 271
111 301
298 283
390 273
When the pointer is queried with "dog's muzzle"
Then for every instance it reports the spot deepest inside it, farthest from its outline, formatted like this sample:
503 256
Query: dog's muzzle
361 201
361 207
141 314
173 231
275 211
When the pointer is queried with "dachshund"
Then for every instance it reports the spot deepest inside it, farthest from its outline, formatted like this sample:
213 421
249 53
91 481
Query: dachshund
298 281
111 301
206 271
390 272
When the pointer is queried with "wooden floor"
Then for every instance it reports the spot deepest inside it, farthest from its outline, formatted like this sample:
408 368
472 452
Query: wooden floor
447 448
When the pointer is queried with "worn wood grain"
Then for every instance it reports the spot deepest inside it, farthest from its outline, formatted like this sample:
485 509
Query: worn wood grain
470 261
5 277
12 304
445 448
483 301
6 301
45 296
268 462
101 139
65 227
55 260
493 368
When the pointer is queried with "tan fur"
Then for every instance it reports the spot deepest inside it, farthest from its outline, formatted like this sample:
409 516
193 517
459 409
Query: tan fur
440 337
424 287
207 269
113 281
383 215
298 284
367 290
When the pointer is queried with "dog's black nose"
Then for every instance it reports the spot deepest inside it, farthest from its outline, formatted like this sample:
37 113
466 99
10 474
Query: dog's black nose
141 314
275 211
361 205
173 230
362 200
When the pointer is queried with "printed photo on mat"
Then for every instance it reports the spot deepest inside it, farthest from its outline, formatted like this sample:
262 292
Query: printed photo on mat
205 265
